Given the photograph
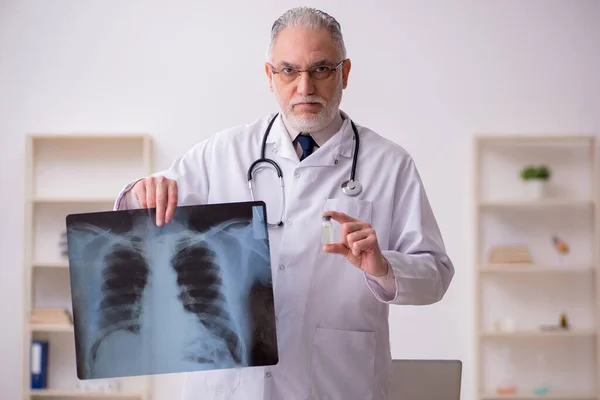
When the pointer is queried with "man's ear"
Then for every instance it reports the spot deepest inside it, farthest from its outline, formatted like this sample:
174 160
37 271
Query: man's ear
269 75
346 72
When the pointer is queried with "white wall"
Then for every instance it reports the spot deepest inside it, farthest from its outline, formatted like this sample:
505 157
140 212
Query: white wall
423 73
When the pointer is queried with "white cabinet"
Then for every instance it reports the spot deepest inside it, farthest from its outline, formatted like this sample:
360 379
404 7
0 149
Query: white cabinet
67 174
524 286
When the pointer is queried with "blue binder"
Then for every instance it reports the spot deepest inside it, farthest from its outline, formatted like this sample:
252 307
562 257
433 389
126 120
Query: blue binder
39 364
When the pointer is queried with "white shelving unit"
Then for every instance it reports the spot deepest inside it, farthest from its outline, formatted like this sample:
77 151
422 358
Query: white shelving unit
67 174
517 304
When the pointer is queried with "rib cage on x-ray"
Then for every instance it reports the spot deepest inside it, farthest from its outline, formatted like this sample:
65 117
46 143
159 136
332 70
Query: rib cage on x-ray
125 274
170 299
201 294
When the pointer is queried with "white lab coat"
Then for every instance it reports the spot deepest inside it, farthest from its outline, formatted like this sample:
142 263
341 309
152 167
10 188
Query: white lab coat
332 323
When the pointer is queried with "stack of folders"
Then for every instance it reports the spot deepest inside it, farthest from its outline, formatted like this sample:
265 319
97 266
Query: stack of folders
510 255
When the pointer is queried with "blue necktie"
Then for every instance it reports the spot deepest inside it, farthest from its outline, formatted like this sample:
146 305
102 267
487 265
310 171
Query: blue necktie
307 143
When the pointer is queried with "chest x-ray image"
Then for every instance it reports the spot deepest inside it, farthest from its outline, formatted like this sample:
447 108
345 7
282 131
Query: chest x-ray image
191 295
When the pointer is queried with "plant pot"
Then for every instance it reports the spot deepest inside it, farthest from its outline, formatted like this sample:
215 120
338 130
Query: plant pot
535 189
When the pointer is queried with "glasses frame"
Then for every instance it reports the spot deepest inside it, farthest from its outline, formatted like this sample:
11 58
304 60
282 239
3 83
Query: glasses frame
309 71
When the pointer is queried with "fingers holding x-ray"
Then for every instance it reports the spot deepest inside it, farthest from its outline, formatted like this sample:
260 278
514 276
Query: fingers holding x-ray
160 193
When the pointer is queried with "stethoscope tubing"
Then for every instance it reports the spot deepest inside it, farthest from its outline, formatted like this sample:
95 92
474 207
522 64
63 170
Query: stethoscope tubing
263 159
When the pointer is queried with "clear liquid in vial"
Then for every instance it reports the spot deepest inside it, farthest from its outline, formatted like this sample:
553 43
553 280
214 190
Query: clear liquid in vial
326 231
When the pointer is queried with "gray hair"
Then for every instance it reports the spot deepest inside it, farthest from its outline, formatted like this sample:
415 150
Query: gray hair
309 18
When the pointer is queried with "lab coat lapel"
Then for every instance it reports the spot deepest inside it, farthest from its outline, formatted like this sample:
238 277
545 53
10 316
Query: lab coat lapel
280 141
340 145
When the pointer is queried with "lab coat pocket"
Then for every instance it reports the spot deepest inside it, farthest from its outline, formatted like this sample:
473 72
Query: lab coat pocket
342 364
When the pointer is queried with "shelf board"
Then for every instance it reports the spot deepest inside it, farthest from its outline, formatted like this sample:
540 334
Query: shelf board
540 333
528 204
71 200
535 269
75 393
100 136
527 396
52 264
51 327
535 139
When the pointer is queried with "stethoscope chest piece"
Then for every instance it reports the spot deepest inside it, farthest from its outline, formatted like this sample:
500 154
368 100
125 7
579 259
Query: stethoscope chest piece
351 188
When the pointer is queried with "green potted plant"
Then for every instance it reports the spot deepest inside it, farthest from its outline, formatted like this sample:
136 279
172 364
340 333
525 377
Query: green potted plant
535 179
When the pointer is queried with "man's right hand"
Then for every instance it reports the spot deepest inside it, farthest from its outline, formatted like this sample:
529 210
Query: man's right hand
160 193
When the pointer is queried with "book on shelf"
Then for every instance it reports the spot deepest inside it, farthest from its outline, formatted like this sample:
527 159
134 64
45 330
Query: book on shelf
503 255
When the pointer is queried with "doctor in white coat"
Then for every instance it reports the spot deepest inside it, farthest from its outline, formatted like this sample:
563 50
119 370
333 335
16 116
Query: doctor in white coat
331 301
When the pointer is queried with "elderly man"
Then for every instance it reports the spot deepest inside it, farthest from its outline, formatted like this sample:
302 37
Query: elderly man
331 300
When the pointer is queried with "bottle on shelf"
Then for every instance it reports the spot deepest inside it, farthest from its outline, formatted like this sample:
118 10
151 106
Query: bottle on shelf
542 388
564 323
507 385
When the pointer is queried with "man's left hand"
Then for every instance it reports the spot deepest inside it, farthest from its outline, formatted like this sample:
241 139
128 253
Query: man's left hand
358 243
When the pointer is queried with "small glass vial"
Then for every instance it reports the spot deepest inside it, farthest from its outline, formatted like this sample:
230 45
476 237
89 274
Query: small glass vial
326 231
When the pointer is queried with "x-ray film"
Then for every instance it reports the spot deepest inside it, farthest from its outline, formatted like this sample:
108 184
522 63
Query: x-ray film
194 294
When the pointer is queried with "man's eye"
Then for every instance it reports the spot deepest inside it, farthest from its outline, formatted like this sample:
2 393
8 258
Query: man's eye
288 71
321 69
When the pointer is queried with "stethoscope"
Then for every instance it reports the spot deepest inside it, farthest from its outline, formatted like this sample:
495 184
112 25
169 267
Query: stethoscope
351 187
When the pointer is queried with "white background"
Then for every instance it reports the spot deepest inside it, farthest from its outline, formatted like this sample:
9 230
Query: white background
427 75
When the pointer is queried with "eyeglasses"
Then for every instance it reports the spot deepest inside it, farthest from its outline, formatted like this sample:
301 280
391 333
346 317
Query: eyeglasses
318 73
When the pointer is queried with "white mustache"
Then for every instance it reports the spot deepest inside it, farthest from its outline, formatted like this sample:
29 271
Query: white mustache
308 99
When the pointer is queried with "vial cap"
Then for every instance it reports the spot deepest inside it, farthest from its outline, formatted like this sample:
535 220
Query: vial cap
327 218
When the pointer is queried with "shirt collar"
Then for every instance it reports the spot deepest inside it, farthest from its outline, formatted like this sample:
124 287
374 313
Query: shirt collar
342 138
321 136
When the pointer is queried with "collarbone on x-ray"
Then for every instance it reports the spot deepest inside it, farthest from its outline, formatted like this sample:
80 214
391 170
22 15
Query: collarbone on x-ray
149 299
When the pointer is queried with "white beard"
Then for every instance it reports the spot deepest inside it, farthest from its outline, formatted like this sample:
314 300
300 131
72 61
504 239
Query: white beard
312 122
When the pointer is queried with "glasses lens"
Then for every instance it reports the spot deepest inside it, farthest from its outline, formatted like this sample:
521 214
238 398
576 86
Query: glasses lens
321 73
288 76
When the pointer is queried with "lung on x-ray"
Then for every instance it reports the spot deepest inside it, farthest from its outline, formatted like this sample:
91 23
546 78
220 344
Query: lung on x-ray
194 294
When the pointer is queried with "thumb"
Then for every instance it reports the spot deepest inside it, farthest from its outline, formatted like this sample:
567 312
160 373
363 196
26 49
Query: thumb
336 248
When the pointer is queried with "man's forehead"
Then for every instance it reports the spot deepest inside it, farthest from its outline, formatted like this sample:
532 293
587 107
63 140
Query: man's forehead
301 47
324 62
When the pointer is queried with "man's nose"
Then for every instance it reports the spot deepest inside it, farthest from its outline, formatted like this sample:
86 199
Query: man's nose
306 86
